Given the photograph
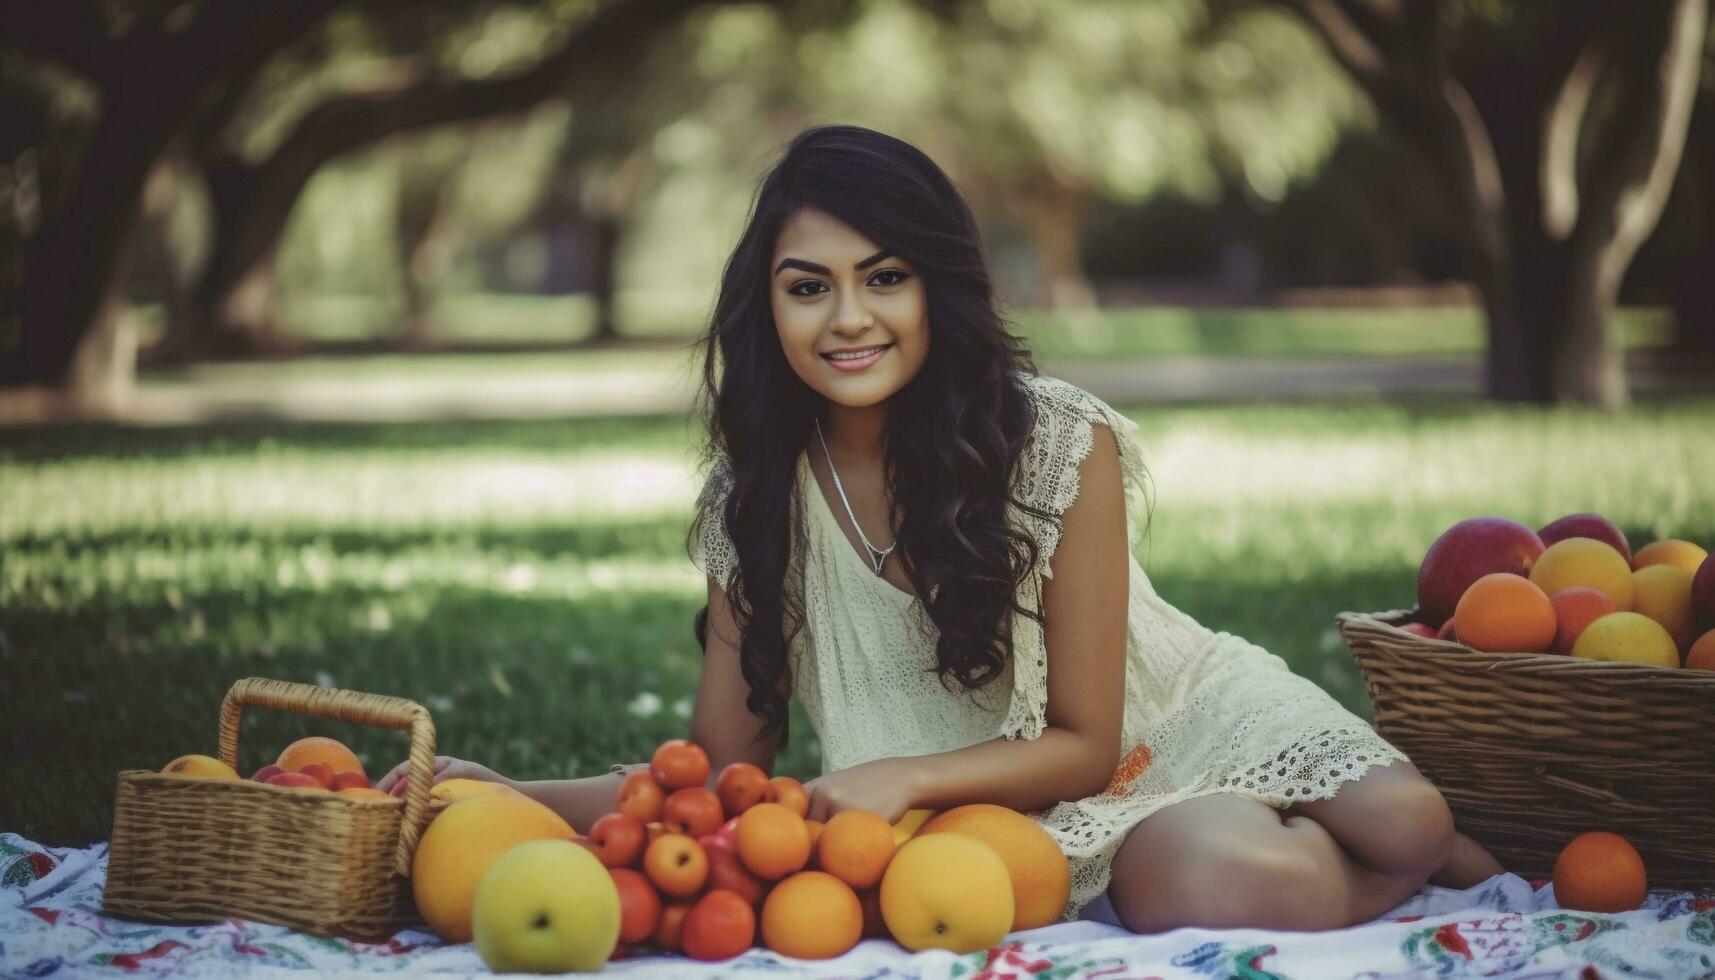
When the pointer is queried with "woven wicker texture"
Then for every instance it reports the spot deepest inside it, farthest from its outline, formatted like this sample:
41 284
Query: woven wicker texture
1533 749
192 850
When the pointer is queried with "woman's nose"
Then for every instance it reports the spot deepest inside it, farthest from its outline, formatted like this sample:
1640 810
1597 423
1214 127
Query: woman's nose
851 317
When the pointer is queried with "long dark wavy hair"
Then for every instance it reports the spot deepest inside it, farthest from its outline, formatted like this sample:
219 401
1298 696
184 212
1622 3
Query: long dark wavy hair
954 432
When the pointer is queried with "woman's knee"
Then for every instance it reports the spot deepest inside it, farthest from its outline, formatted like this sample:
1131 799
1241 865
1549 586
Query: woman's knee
1215 881
1418 828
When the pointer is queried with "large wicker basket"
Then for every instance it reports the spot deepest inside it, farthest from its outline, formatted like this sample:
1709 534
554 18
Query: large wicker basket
195 850
1533 749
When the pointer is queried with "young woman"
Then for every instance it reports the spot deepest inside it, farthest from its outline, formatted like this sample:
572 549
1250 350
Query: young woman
928 545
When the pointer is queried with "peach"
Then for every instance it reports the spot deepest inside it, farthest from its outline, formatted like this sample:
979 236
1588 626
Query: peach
1466 552
198 767
318 748
266 773
321 772
1703 594
1587 562
1701 656
351 779
1574 609
1663 593
1670 551
295 780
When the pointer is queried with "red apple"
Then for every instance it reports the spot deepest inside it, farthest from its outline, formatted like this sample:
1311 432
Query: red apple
640 796
321 772
1446 631
296 780
1703 595
720 926
693 811
617 840
1419 629
725 871
266 773
1466 552
724 839
1586 526
639 905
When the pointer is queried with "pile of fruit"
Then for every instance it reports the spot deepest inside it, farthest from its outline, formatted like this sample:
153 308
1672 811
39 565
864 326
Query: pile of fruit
1572 587
314 764
679 867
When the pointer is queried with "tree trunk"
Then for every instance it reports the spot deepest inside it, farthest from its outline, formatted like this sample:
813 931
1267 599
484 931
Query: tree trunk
605 232
1054 215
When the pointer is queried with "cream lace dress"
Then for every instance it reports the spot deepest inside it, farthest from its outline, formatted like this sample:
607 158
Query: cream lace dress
1206 712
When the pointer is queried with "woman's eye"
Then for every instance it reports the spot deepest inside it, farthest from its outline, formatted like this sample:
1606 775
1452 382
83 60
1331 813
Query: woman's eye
886 277
798 290
891 272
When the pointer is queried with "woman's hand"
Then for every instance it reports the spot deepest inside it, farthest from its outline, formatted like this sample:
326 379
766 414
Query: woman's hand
446 767
887 787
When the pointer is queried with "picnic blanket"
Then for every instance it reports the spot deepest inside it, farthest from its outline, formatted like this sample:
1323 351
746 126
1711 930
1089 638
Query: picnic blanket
51 925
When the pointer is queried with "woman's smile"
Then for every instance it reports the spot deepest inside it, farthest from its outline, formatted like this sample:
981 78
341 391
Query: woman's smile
856 358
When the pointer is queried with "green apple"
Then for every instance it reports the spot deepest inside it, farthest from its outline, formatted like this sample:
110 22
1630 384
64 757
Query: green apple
546 906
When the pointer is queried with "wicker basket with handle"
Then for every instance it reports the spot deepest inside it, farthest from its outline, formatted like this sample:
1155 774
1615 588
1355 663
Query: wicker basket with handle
1533 749
195 850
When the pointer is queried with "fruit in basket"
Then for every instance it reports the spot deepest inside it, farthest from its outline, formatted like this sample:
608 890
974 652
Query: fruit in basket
1465 553
639 905
616 840
773 841
1503 612
1671 551
349 779
719 926
266 773
855 847
296 780
741 786
321 772
946 891
1446 631
1586 562
199 767
693 811
1663 593
1701 656
1600 872
678 764
1703 594
1040 874
676 864
812 915
1420 629
462 843
1586 526
1574 609
1627 636
640 796
546 906
318 748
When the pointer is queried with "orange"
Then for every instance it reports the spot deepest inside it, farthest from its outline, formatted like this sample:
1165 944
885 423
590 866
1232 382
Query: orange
1670 551
1041 877
1574 609
773 841
318 748
1584 561
1663 593
855 847
199 767
1503 612
815 827
1600 872
812 915
1701 656
907 825
460 846
946 891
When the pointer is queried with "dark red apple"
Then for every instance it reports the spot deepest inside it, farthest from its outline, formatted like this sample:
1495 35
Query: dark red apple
266 773
1466 552
724 839
1703 595
1587 526
1420 629
617 839
726 871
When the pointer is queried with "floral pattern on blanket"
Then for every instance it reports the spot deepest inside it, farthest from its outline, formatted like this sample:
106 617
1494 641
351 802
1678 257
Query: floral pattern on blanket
51 926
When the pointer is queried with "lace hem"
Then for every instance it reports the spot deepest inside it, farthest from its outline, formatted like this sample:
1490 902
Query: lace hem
712 550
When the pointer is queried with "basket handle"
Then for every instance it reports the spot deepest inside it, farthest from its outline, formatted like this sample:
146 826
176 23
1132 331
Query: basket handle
367 709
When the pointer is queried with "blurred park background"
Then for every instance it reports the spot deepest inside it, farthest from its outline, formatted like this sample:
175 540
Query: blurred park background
347 341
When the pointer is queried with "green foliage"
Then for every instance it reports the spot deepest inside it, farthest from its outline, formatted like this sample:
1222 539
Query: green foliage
528 581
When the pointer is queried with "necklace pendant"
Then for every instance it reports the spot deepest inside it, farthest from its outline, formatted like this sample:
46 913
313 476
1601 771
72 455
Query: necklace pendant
877 561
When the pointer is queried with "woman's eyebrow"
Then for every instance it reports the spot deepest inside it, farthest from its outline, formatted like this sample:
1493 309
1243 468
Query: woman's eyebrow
822 270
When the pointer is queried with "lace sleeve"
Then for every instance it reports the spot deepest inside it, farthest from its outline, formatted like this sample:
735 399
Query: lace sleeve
1047 479
712 549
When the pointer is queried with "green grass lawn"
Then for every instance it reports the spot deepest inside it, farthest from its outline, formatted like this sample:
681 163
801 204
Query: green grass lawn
528 581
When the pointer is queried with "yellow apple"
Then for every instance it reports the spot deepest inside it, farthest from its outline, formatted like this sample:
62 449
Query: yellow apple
547 906
946 891
199 767
907 825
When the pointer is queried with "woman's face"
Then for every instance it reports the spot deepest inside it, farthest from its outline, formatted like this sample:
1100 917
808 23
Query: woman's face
853 319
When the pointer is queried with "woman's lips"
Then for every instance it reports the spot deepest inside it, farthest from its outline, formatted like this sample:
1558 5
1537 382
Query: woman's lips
857 363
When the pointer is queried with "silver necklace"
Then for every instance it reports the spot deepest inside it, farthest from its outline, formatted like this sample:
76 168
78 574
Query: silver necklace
877 556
